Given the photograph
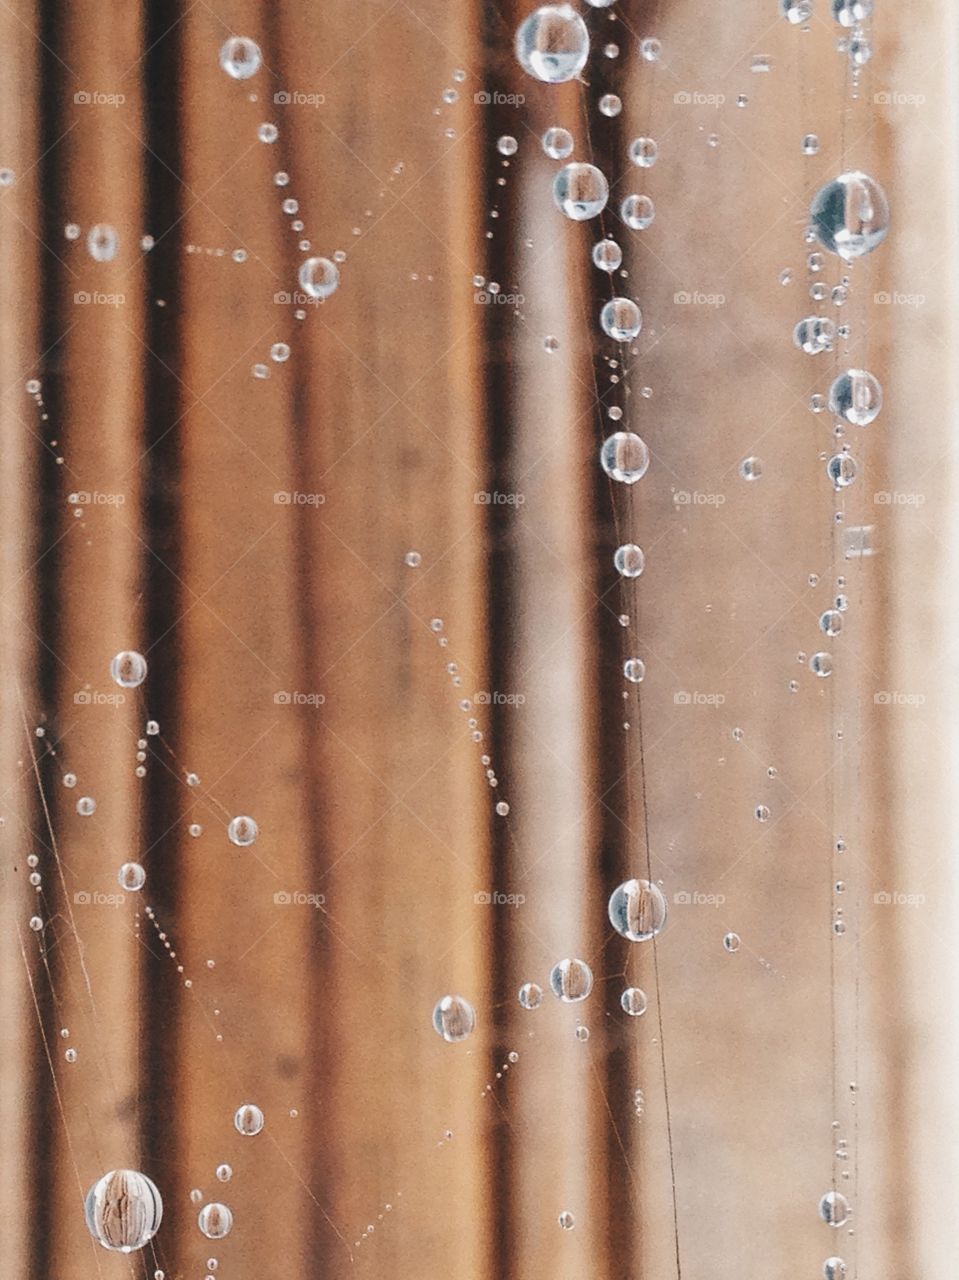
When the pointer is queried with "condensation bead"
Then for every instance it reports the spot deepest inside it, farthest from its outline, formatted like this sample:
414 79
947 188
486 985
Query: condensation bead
319 277
634 1002
248 1120
850 12
751 468
629 560
267 132
128 669
841 470
224 1172
634 670
820 664
607 255
810 144
637 910
814 335
621 319
732 942
566 1220
571 980
610 105
123 1210
102 242
530 995
240 57
215 1221
834 1209
558 143
796 11
834 1269
624 457
856 396
552 44
453 1018
86 806
850 215
650 49
637 212
280 352
507 145
132 877
643 152
580 191
830 622
242 830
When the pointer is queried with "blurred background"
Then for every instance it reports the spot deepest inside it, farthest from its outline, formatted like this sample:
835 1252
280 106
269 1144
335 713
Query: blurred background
328 526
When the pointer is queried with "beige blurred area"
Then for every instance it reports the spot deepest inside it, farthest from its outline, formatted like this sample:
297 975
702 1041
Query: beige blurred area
252 537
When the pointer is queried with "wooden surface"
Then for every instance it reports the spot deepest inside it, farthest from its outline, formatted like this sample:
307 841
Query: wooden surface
297 669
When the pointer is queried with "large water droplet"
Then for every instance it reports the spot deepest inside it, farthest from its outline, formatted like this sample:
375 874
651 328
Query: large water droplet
248 1120
607 255
530 995
643 152
129 669
580 191
633 1002
242 830
850 215
132 877
453 1018
123 1210
629 560
215 1221
834 1208
856 396
240 58
624 457
814 334
850 12
102 242
558 143
319 277
552 44
571 980
637 910
637 212
621 319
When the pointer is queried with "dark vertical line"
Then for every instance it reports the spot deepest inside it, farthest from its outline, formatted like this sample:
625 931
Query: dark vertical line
161 473
47 574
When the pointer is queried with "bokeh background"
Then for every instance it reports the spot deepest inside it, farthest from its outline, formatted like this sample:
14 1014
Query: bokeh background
249 536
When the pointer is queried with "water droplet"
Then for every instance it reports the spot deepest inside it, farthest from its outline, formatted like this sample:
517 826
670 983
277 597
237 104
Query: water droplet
834 1269
610 105
637 212
86 806
131 876
634 669
102 242
123 1210
248 1120
607 255
634 1002
552 44
507 145
242 830
820 664
280 352
624 457
751 468
571 980
319 277
621 319
413 559
267 132
215 1221
732 942
629 560
856 396
71 1055
850 12
566 1220
796 11
580 191
637 910
558 143
129 669
643 152
841 470
453 1018
834 1209
530 995
814 334
650 49
830 622
850 215
810 144
240 57
36 924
